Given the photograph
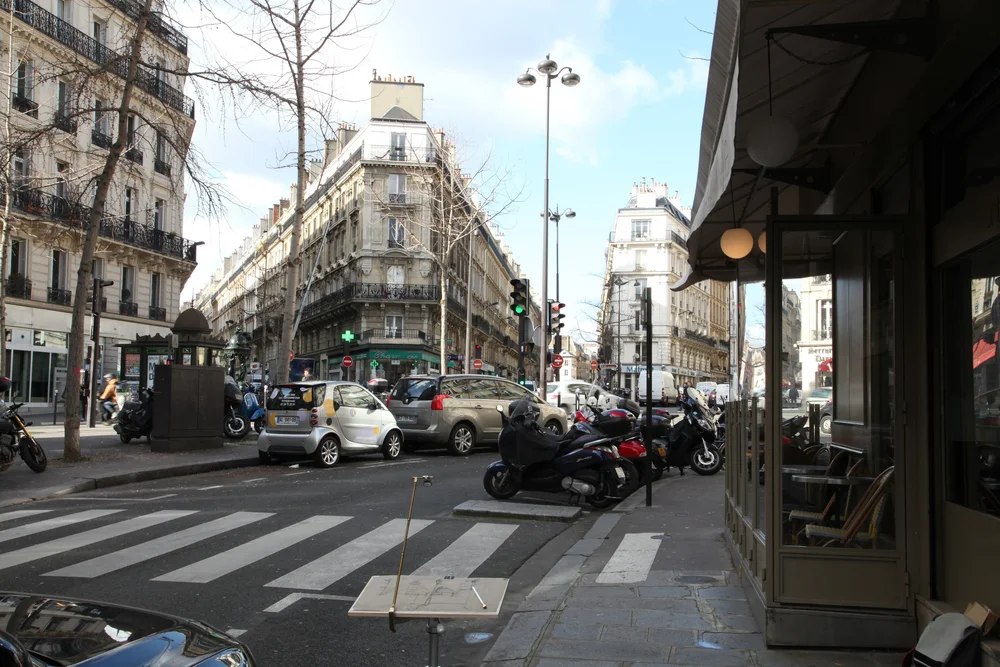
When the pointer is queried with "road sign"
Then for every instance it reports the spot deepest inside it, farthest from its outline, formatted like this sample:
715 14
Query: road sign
374 364
347 362
291 354
254 366
593 365
557 361
477 364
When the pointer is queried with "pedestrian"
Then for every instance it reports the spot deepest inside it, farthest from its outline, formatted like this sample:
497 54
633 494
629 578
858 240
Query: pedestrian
108 398
307 376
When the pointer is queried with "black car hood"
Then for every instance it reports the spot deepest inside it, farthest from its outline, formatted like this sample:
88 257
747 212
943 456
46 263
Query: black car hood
64 631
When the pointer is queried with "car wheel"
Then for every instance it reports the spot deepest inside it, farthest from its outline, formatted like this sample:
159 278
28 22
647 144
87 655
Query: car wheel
826 424
553 427
328 452
392 446
462 440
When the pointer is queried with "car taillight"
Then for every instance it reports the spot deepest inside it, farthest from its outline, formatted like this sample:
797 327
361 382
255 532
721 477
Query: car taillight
437 403
387 399
314 417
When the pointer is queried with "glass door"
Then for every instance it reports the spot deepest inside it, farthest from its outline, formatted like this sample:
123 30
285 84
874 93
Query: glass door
834 460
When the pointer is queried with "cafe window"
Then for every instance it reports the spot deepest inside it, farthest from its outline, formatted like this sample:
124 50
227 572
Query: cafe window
971 399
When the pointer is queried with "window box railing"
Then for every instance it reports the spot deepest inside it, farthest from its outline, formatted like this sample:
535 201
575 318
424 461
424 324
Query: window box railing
59 296
157 313
25 105
161 167
18 287
129 308
397 198
98 138
62 121
134 155
368 291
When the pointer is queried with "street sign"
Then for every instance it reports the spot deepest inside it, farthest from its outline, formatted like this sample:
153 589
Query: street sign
477 364
611 366
254 366
347 362
593 365
291 354
557 361
374 364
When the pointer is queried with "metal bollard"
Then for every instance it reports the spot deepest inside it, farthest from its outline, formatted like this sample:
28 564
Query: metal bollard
55 405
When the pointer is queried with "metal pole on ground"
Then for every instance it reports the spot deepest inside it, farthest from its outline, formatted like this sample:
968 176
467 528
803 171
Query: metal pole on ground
647 297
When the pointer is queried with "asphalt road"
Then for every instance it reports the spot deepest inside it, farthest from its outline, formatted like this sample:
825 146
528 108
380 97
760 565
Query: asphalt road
281 531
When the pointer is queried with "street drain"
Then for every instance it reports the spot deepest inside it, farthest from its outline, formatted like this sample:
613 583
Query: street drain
696 579
476 637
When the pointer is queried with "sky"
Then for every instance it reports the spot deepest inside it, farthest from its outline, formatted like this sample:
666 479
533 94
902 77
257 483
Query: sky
636 113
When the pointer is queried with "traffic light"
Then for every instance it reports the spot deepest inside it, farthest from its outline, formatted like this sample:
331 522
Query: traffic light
479 352
519 297
556 317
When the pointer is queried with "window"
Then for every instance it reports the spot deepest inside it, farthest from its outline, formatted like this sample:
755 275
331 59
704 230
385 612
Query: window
63 99
20 168
155 286
396 274
25 80
159 215
397 234
640 230
394 326
130 203
640 287
132 124
57 277
640 352
824 318
161 147
100 33
638 321
62 173
17 263
63 10
397 188
398 151
640 260
128 283
100 116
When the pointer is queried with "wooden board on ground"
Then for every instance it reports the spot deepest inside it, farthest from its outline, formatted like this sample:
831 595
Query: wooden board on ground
431 597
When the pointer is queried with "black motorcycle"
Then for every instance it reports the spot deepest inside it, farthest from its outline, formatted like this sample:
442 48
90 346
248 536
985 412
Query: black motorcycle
15 440
690 439
235 425
135 419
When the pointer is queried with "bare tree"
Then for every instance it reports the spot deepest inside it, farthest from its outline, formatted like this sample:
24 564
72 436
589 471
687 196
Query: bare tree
296 36
444 206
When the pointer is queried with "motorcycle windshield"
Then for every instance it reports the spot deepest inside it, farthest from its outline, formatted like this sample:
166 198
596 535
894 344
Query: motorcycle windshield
698 400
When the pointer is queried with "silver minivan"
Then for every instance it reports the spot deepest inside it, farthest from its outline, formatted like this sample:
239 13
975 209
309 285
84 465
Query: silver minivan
325 420
459 411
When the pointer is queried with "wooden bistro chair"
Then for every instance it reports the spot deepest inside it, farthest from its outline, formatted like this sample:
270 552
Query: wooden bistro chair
800 518
870 508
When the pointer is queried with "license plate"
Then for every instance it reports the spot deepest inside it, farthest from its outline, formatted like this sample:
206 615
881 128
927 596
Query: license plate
661 451
620 473
287 421
406 419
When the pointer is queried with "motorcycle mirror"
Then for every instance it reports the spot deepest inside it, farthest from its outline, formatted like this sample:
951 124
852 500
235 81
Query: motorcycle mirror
500 408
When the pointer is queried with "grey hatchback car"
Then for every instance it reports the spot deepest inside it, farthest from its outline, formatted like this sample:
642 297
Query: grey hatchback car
459 411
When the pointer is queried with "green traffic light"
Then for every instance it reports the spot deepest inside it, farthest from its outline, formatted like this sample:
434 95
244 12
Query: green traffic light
518 309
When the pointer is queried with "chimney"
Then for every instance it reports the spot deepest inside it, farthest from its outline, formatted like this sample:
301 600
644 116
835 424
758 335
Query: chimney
332 150
275 213
403 92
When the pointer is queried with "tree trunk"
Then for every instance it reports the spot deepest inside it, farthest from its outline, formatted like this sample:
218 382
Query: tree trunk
293 270
444 320
71 446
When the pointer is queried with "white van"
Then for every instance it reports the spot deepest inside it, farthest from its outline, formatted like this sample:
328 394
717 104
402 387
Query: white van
664 388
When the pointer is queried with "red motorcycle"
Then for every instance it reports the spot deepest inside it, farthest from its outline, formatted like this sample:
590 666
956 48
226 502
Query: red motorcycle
622 422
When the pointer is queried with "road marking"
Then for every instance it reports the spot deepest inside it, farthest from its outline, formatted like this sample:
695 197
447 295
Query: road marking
117 560
293 474
10 516
235 632
89 537
50 524
469 551
229 561
209 488
256 479
340 562
381 464
119 498
632 559
292 598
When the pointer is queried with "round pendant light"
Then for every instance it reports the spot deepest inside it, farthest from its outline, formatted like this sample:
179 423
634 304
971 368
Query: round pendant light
736 243
762 242
772 141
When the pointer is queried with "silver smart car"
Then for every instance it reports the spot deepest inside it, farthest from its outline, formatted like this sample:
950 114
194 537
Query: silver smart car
325 420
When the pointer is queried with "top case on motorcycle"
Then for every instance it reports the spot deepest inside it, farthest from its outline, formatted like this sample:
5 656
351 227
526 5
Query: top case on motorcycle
521 446
661 426
613 426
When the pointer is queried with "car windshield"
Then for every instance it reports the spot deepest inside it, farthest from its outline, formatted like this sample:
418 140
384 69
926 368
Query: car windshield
415 389
823 392
551 387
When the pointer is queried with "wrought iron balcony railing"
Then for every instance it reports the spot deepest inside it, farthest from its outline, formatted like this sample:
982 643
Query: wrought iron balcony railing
146 80
63 122
128 308
400 153
25 105
393 333
98 138
124 230
157 313
398 198
18 287
158 24
57 295
369 291
161 166
134 155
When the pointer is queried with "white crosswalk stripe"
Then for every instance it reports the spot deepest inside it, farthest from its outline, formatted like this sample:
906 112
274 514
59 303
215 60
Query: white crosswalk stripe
632 559
469 551
86 538
20 514
52 524
340 562
117 560
229 561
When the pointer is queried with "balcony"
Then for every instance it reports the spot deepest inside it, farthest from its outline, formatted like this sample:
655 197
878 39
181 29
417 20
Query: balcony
400 154
99 139
157 313
73 214
334 301
161 167
129 308
158 24
678 239
23 104
62 121
134 155
59 296
80 42
397 335
18 287
398 199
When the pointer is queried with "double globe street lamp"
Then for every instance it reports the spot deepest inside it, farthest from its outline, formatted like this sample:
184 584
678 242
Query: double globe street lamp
550 70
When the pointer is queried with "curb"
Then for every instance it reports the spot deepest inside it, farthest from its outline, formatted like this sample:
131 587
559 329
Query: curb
502 510
119 479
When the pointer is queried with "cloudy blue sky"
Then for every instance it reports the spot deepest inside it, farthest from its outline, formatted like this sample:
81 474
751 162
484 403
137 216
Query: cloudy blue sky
637 113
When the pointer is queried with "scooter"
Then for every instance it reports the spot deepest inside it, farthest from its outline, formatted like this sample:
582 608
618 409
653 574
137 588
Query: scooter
15 439
135 419
235 425
533 459
689 439
252 409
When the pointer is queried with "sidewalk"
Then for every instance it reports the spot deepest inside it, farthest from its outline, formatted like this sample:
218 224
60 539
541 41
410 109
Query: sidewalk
652 586
108 462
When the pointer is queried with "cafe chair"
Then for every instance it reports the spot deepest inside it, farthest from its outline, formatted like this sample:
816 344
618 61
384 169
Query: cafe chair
801 517
870 508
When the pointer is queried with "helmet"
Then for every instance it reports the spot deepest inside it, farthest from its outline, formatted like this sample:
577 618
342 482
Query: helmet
4 385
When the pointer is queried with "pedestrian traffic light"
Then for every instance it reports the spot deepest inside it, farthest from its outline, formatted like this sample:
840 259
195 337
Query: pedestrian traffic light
479 352
519 297
556 317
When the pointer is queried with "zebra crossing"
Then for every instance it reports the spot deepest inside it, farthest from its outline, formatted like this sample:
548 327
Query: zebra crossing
200 547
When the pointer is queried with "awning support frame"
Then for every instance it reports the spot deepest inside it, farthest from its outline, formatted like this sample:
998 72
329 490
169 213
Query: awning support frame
814 178
910 36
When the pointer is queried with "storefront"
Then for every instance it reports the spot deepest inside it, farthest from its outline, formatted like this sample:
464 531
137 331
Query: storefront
389 364
880 209
36 365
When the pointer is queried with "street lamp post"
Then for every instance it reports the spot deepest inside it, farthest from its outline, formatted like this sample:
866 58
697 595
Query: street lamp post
550 70
618 333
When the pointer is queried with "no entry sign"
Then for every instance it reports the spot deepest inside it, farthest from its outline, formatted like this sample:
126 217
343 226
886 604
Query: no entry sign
477 364
557 361
347 362
593 365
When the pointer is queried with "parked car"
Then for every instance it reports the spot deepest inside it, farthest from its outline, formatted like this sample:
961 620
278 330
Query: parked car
820 395
567 394
325 420
664 388
459 411
826 417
